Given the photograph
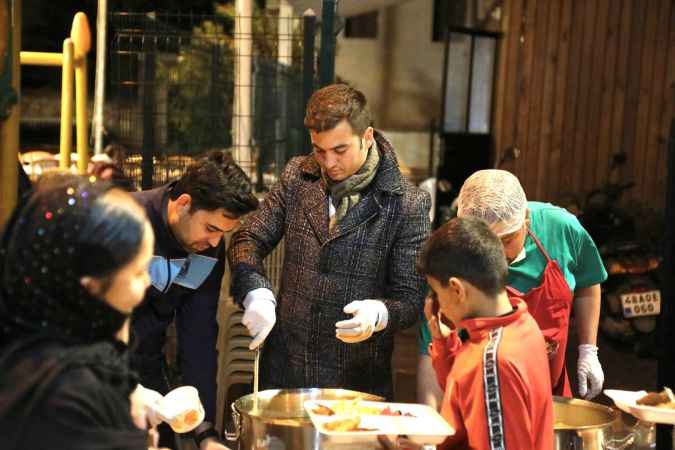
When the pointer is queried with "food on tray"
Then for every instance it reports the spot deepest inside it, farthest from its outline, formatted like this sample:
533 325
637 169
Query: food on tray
354 407
348 415
342 407
395 412
346 424
663 399
654 407
358 423
322 410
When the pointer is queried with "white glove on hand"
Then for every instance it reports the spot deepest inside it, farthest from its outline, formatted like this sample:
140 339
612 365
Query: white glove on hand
589 369
150 399
369 316
260 315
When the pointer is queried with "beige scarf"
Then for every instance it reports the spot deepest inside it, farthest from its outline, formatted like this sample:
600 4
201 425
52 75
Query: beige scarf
347 193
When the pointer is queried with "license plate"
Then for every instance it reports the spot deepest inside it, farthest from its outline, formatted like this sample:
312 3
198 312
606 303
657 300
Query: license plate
637 304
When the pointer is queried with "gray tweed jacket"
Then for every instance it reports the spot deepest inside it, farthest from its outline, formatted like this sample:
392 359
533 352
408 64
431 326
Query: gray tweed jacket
369 254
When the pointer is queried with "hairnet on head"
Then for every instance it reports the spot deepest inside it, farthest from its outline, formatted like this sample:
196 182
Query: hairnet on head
495 196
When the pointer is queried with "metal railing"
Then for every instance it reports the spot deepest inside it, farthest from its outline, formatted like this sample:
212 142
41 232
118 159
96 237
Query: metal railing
173 82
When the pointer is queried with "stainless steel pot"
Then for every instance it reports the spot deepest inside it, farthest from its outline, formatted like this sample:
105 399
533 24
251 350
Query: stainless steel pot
584 425
279 422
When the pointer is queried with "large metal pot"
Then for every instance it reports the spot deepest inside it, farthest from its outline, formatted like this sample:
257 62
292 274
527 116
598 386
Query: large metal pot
279 421
584 425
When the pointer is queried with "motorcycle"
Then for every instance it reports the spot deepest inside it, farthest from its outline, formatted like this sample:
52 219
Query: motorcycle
627 239
631 297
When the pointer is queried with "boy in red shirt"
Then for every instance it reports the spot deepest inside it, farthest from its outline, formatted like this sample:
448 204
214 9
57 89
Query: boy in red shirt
495 371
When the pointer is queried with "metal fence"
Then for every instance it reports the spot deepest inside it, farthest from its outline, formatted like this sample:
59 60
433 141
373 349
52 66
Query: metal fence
173 80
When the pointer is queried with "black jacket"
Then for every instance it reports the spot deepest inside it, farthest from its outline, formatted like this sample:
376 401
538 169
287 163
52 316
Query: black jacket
369 254
54 395
166 301
195 311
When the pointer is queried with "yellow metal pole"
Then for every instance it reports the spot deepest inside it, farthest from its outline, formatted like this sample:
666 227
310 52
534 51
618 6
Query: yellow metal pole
81 115
81 37
9 129
67 75
41 59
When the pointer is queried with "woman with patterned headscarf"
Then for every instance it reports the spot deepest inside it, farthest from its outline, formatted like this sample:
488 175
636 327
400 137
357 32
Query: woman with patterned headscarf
73 265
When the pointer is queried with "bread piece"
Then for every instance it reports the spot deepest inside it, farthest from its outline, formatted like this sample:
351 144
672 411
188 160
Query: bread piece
346 424
660 399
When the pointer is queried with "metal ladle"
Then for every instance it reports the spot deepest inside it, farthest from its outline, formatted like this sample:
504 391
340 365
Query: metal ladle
256 377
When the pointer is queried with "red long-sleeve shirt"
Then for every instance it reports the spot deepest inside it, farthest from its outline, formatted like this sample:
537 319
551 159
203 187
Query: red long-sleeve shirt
497 385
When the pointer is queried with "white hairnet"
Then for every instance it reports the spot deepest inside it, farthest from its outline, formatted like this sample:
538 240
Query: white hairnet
495 196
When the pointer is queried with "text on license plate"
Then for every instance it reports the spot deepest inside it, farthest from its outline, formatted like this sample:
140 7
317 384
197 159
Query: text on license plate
641 303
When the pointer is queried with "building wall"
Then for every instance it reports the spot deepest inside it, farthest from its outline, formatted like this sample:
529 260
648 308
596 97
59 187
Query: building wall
414 150
401 71
401 74
580 81
359 62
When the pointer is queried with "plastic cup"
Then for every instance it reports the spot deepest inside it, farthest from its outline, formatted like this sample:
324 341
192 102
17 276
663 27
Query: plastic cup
182 409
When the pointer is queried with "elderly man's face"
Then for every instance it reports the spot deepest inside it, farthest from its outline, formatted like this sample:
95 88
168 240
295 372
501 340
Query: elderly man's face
339 151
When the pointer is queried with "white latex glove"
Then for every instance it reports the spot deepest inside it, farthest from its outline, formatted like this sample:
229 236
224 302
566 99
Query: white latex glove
589 370
259 315
150 399
369 316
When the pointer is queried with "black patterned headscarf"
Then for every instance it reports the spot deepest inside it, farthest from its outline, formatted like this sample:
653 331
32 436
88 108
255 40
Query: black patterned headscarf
48 321
61 233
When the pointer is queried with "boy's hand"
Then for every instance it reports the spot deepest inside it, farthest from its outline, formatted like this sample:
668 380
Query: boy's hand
437 329
399 443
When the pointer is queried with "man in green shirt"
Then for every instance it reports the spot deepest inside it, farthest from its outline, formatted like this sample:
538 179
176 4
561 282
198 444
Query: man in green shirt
553 264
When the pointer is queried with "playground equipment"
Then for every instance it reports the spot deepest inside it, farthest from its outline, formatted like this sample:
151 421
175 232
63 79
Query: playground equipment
10 43
73 63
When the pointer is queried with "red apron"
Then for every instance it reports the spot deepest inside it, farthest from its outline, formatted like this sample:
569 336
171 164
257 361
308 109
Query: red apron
550 304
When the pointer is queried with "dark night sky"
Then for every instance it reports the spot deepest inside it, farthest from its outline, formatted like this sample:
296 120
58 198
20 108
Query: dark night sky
47 23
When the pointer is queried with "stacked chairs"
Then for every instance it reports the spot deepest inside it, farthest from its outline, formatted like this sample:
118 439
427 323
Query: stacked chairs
235 360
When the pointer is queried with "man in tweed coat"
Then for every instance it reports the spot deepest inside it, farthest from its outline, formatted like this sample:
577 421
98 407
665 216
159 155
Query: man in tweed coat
353 226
